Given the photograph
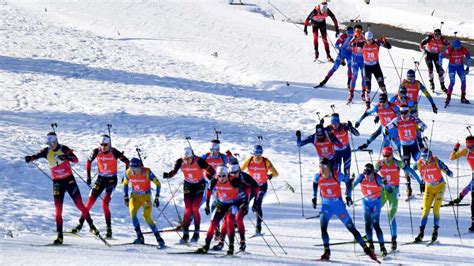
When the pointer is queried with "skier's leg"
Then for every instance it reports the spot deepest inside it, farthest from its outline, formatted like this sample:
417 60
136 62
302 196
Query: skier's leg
75 194
392 211
376 220
368 77
324 36
188 202
452 78
368 219
241 224
315 41
379 77
429 64
346 155
438 200
195 211
58 192
428 199
326 214
147 209
106 201
462 77
133 206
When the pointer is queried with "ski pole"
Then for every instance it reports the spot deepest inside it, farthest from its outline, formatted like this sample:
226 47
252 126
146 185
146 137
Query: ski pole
417 63
333 107
189 144
273 188
217 134
469 129
110 136
80 177
411 217
168 202
393 62
431 134
44 173
454 212
288 19
301 181
278 242
457 183
169 222
358 173
268 245
401 71
175 206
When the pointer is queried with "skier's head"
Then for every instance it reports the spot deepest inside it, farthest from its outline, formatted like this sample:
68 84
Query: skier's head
437 33
426 154
257 150
335 119
369 36
323 6
383 98
387 152
215 145
350 31
234 167
404 111
470 142
319 131
368 169
402 93
411 75
456 44
222 173
52 140
324 166
188 155
135 165
104 142
358 30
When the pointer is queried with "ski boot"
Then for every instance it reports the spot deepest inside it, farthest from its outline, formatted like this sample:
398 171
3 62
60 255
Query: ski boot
316 55
108 235
185 239
322 83
140 239
77 229
330 58
434 235
219 246
195 237
160 240
203 249
370 252
443 88
383 250
463 99
432 86
258 229
471 229
448 99
230 251
394 243
327 254
59 239
371 245
343 62
243 246
420 235
351 96
94 230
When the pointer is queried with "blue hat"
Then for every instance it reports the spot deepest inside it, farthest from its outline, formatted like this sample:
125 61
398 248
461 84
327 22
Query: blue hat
456 44
135 163
411 74
257 150
335 119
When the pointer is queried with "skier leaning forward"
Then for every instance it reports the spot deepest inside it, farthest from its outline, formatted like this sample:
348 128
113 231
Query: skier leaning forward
328 181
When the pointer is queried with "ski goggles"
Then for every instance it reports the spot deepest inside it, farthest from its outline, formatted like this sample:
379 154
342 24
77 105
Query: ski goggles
51 139
215 147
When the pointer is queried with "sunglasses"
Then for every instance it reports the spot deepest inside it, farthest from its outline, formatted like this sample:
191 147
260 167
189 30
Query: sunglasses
387 155
404 112
221 176
104 144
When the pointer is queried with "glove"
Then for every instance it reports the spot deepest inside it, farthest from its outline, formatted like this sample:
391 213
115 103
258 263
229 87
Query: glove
298 134
245 208
376 119
357 124
305 30
456 147
28 159
254 206
349 201
466 71
383 38
456 201
207 209
450 174
337 33
349 123
422 187
363 146
166 175
270 176
385 131
126 200
62 157
315 202
89 180
389 189
435 109
156 202
343 62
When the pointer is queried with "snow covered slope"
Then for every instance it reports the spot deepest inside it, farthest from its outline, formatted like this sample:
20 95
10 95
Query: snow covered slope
148 68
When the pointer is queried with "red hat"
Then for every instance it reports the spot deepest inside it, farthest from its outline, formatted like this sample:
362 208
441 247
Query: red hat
470 141
387 151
